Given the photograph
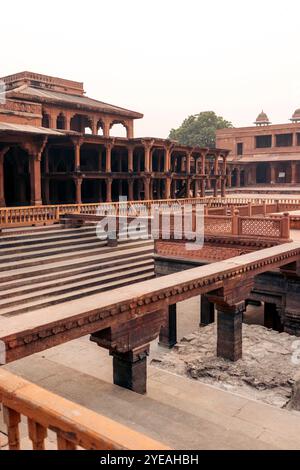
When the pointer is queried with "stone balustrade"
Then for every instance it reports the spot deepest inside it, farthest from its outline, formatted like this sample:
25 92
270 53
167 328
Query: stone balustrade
74 426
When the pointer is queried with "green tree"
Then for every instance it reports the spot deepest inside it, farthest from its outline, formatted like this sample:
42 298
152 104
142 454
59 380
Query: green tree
199 129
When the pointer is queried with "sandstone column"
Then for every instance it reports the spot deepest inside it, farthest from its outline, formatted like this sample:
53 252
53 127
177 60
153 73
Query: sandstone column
207 314
108 189
35 180
78 184
229 331
168 333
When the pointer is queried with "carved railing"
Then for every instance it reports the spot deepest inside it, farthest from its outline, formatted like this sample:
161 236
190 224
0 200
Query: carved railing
42 215
74 426
36 215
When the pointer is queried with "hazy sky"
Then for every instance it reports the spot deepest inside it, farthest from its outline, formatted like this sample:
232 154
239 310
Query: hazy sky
165 58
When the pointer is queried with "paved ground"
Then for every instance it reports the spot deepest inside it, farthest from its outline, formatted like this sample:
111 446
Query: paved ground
177 411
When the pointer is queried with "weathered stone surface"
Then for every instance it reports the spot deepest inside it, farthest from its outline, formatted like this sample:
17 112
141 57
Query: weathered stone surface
266 372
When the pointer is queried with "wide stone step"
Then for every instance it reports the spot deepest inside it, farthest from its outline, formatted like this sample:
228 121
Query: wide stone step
127 279
15 273
64 270
40 257
36 285
72 285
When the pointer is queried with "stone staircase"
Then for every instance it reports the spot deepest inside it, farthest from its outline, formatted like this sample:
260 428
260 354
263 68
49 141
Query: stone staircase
45 266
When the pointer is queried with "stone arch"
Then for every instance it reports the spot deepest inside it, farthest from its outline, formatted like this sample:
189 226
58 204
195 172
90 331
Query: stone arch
81 123
119 127
46 120
61 121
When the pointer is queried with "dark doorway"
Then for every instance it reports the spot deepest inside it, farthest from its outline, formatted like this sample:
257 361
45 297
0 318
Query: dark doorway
16 178
261 173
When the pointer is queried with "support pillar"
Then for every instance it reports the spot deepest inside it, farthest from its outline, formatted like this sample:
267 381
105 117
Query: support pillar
188 188
229 331
78 183
35 180
293 173
147 189
128 343
272 318
130 190
207 311
108 158
130 159
167 188
130 369
77 156
168 333
272 174
108 189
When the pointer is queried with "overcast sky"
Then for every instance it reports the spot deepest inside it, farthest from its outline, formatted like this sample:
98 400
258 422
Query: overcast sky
165 58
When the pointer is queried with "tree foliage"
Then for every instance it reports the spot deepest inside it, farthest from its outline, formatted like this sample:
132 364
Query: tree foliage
199 129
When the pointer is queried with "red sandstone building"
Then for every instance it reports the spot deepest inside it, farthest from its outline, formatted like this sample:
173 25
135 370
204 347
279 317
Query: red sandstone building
57 146
264 153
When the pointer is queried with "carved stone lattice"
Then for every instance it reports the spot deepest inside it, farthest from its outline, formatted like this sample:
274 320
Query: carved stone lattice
218 225
260 226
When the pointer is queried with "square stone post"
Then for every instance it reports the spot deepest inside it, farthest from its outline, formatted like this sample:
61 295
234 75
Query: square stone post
130 369
168 333
35 180
108 189
130 159
229 331
207 311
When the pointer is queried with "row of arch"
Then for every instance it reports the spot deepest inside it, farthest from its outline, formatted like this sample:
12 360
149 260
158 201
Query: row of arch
86 125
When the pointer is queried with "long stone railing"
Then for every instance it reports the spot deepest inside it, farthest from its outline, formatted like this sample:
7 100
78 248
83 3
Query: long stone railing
42 215
73 425
35 215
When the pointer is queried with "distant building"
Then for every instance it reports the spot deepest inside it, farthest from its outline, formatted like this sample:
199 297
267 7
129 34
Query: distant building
57 146
264 153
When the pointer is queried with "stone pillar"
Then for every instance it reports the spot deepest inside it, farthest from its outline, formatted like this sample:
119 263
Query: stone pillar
229 180
78 183
130 369
168 333
130 190
147 149
130 159
272 173
216 164
229 340
188 163
108 189
207 311
147 189
77 146
203 155
167 188
167 162
108 157
272 318
35 180
293 172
